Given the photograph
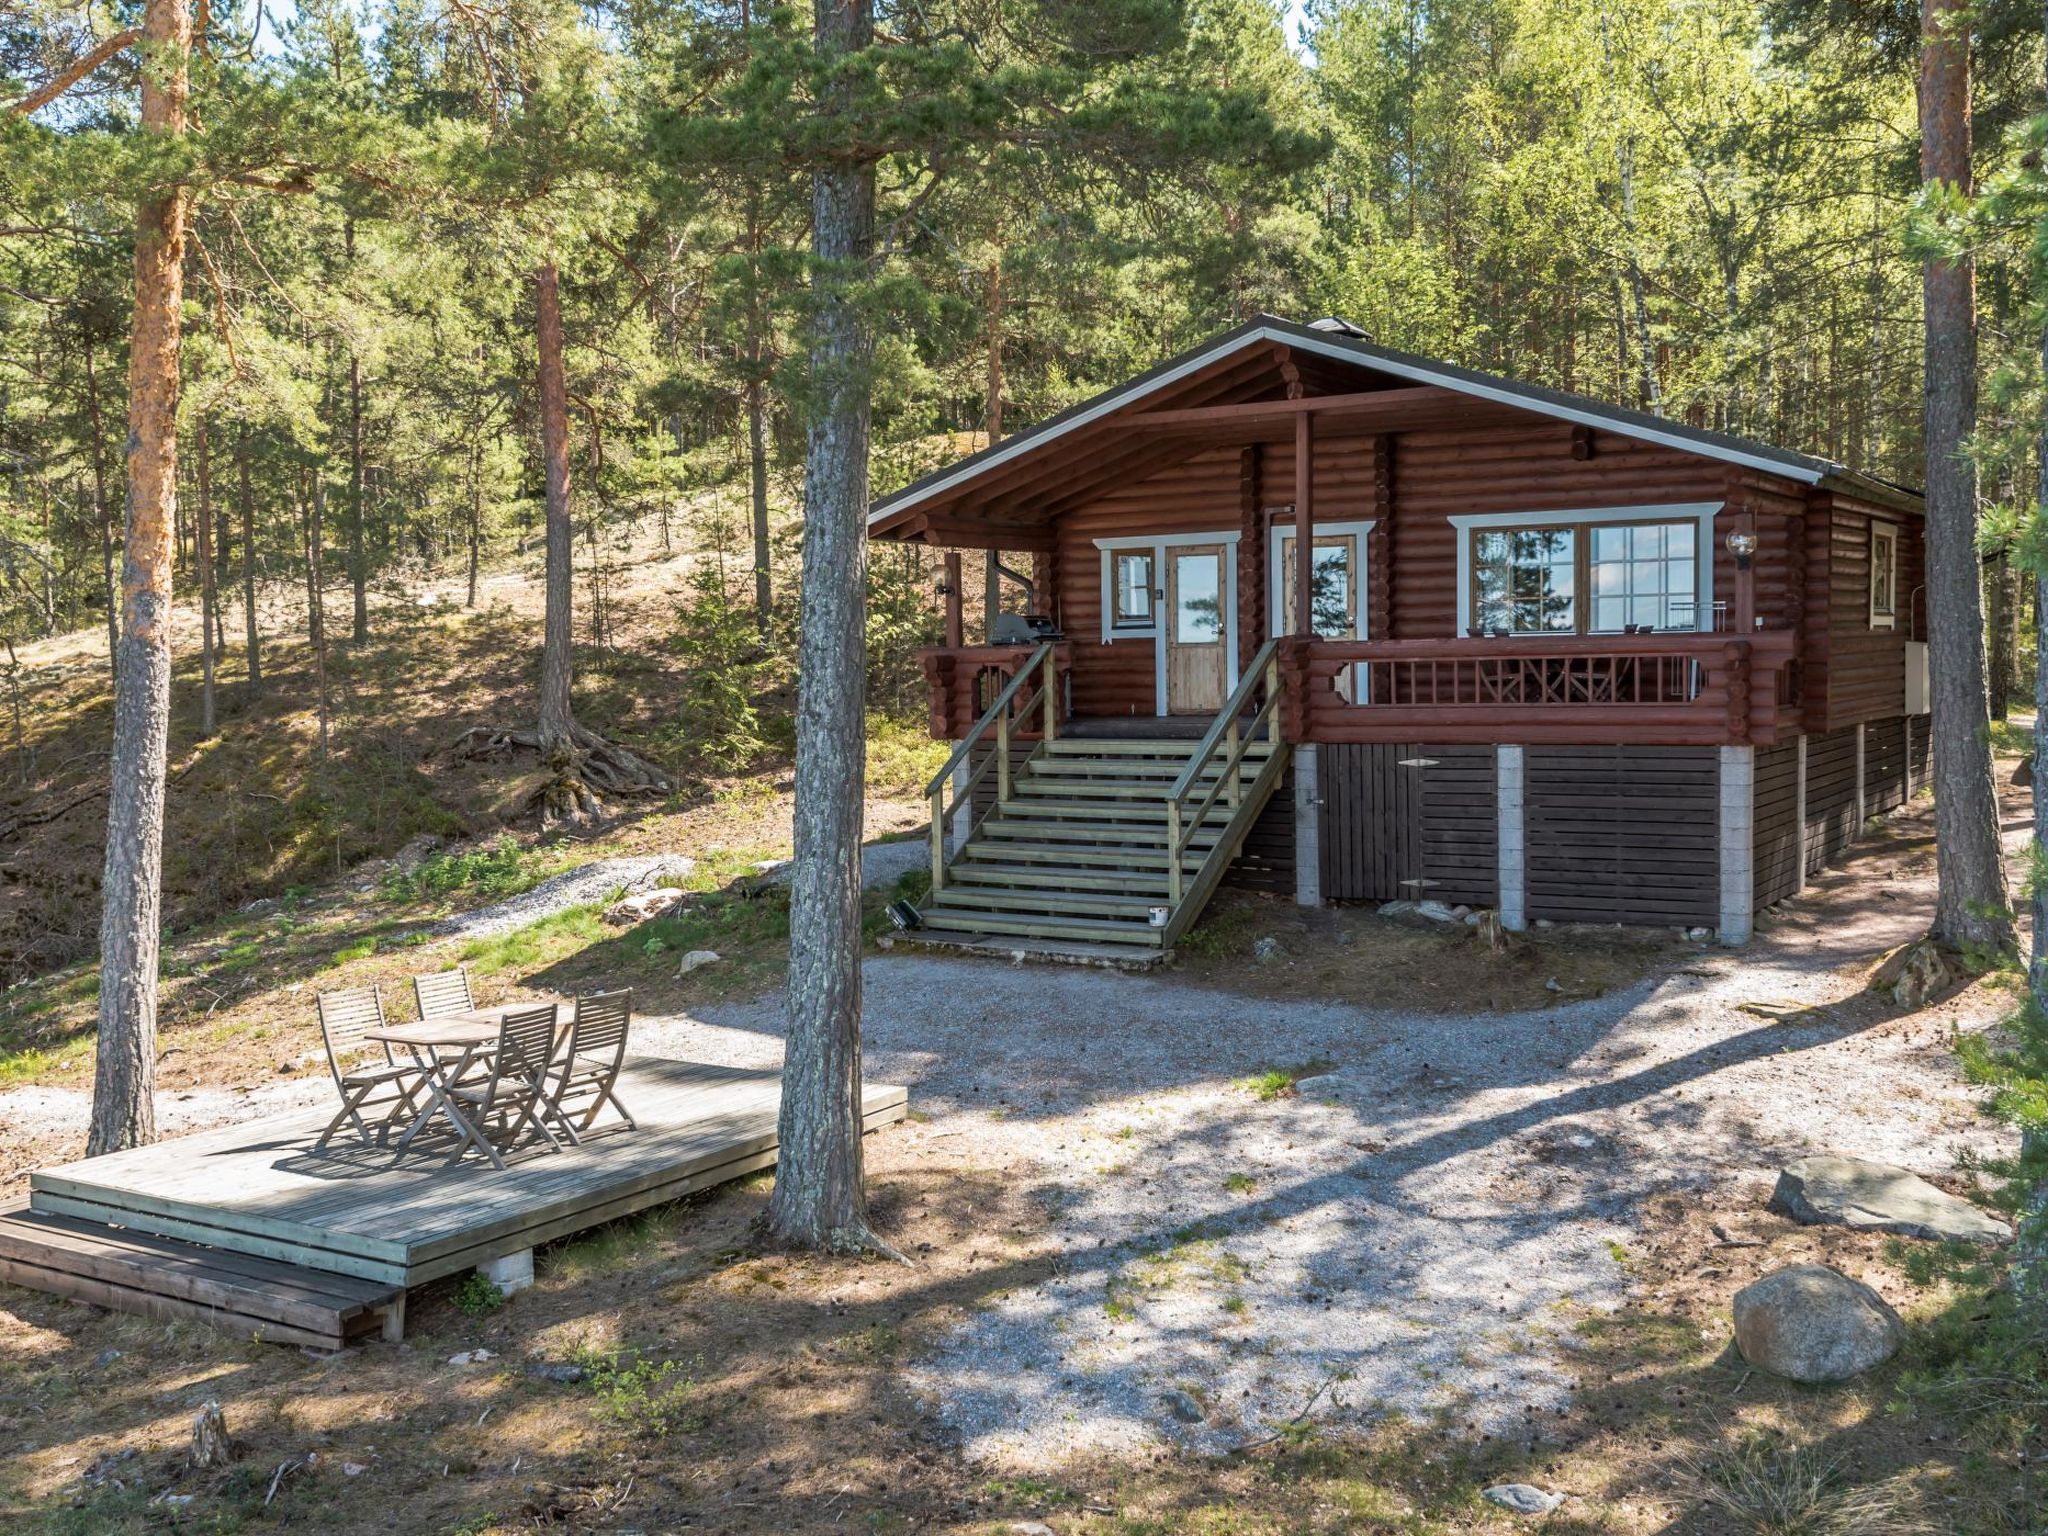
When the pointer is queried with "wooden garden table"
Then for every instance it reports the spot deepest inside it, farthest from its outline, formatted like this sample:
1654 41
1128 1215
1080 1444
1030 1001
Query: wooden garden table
446 1046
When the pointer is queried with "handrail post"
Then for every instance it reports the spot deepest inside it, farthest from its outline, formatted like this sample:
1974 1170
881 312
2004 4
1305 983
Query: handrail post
1230 756
1173 840
1045 684
939 838
1273 692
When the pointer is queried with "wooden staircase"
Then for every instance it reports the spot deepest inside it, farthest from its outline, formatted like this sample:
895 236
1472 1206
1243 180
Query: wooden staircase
1097 848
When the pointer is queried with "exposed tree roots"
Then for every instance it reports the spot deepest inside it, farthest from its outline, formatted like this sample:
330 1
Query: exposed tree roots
577 768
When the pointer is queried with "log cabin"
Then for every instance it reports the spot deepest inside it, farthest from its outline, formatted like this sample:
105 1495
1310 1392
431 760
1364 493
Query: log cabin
1561 660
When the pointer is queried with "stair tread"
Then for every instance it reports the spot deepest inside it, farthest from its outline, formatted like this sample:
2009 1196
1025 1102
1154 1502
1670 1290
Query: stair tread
1054 927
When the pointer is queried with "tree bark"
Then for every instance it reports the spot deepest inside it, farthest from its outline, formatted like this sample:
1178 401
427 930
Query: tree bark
1971 898
204 528
316 606
358 572
124 1072
476 518
820 1198
557 716
251 636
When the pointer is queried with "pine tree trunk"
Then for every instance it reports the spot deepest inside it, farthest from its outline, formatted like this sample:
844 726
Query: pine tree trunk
358 573
2000 662
2030 1261
252 637
316 605
476 518
203 527
124 1073
820 1199
557 718
1971 897
757 426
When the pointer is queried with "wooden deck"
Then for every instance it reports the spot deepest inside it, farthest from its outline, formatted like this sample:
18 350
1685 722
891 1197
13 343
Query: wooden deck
259 1190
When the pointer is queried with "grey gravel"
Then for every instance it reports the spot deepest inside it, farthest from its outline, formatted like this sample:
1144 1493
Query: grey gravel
1424 1228
599 880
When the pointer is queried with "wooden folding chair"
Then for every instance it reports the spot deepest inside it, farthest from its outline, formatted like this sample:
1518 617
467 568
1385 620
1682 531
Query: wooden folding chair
513 1093
443 993
588 1072
345 1018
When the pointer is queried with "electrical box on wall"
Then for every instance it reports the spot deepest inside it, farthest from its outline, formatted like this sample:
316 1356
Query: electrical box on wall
1916 677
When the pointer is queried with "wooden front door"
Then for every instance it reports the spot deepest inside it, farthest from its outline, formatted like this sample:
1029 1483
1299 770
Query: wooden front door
1196 629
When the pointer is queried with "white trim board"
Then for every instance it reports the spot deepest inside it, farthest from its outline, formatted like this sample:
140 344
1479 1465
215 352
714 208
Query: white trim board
1159 544
1700 512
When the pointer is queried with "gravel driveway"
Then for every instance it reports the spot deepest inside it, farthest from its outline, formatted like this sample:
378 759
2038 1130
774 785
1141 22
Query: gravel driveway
1419 1228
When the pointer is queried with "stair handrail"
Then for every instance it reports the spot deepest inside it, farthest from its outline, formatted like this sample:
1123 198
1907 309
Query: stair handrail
1224 731
998 715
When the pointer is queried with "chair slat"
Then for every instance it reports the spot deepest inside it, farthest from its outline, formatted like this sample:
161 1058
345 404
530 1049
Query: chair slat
443 993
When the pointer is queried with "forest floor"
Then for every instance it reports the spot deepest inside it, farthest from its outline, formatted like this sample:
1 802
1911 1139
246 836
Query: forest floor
1487 1247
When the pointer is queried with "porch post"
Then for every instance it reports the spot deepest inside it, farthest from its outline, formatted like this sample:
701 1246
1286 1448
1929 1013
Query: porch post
1513 903
962 826
1862 804
1304 522
956 622
1738 838
1308 828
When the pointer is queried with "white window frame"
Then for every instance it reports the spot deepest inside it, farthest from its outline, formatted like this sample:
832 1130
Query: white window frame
1276 573
1158 544
1890 530
1700 513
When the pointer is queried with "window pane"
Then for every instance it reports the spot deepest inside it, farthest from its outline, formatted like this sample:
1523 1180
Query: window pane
1651 570
1331 604
1133 588
1198 607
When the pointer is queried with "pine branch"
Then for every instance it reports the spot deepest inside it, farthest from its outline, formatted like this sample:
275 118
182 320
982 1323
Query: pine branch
58 84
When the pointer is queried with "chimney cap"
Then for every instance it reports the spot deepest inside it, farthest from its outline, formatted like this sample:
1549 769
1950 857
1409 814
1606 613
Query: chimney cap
1340 327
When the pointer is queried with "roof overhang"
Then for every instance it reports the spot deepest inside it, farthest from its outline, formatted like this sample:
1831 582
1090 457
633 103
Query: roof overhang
1128 401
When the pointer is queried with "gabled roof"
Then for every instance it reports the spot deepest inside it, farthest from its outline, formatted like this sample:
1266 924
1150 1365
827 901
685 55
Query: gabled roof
1341 348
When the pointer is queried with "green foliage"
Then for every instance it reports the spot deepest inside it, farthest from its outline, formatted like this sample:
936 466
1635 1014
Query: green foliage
492 872
478 1295
1278 1082
651 1398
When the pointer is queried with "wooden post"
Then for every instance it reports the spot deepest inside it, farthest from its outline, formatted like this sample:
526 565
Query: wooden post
1048 686
1745 587
1003 755
956 623
1304 524
1173 882
939 838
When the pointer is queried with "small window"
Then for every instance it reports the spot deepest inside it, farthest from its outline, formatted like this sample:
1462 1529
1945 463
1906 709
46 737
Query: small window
1131 584
1525 581
1884 576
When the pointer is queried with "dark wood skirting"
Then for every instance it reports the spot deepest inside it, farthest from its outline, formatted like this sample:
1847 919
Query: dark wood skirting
1622 834
1410 822
1830 797
1776 844
1266 861
1884 766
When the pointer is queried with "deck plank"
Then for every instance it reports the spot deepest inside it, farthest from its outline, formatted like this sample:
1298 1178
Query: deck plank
259 1189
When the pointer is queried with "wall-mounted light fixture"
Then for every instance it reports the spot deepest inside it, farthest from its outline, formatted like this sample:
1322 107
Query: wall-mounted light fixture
1742 545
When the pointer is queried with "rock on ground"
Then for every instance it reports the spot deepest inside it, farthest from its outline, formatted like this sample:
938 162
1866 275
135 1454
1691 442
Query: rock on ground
1524 1499
1813 1324
1876 1197
594 881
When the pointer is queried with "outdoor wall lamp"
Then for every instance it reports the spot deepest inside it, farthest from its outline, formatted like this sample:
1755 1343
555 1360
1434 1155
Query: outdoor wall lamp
1742 545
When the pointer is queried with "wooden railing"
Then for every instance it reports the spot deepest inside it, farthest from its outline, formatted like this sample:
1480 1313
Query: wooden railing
965 679
1677 689
1228 735
1008 705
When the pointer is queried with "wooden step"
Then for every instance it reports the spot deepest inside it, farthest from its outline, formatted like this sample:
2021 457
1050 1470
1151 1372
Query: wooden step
996 874
1037 788
1055 899
1136 837
1065 770
128 1271
1119 746
1153 810
1097 929
1082 856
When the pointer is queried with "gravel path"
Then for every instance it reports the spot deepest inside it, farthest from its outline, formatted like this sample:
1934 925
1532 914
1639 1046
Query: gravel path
1416 1230
599 880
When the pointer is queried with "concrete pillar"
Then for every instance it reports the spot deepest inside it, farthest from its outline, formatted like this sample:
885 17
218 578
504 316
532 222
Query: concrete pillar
1513 903
1862 813
511 1273
1738 843
1308 828
1799 810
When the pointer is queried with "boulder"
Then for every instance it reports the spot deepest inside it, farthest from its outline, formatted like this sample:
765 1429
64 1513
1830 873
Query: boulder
1183 1406
1813 1324
1876 1197
1523 1498
1914 973
696 960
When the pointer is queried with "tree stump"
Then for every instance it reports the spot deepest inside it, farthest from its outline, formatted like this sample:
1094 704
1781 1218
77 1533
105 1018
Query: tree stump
211 1446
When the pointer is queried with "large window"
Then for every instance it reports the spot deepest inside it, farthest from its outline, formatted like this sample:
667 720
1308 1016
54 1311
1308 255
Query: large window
1593 578
1333 597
